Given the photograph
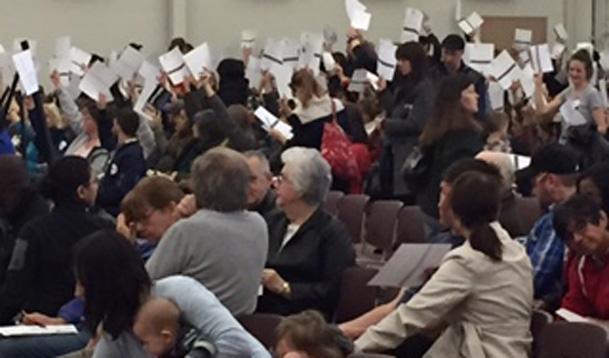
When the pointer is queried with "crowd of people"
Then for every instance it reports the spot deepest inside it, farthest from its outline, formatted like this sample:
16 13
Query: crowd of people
153 233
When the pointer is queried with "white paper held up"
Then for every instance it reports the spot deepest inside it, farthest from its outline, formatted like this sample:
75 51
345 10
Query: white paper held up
386 59
98 80
479 56
472 23
496 94
24 65
128 63
270 121
413 22
248 38
504 70
199 60
561 32
173 64
541 58
80 61
523 37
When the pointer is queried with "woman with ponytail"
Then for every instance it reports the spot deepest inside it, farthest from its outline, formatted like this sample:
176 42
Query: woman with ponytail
482 292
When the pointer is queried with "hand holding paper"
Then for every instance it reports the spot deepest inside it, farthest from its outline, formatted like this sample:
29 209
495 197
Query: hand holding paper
24 64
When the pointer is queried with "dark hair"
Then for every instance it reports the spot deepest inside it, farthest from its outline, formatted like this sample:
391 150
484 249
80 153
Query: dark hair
221 180
496 121
87 104
156 192
470 165
476 200
181 44
583 56
309 332
128 121
114 280
305 80
415 54
63 179
210 128
576 212
449 113
13 181
453 42
599 175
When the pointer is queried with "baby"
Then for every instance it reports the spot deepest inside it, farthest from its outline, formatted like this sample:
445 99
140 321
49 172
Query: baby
159 328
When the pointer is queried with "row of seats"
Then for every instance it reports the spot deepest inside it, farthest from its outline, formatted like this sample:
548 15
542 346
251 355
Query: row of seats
550 339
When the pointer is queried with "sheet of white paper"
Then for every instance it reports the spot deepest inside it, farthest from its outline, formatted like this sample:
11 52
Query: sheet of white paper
199 60
527 80
523 36
503 69
602 85
570 316
267 118
253 72
24 64
571 115
128 63
284 129
6 66
497 95
283 77
521 161
561 32
149 71
98 80
585 46
386 59
173 64
408 266
413 21
23 330
272 54
291 52
472 23
80 61
479 56
248 38
361 20
63 46
359 79
329 63
62 66
312 45
557 50
353 7
541 58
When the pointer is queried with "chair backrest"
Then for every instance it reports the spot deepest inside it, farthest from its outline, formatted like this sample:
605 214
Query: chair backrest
381 224
411 228
572 340
539 320
331 203
528 211
356 297
351 210
262 326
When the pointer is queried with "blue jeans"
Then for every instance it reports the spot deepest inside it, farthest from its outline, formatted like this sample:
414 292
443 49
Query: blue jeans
43 346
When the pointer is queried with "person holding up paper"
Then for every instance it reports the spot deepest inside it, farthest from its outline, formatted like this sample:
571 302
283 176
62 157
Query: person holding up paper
410 100
234 87
360 53
453 48
580 105
482 289
583 225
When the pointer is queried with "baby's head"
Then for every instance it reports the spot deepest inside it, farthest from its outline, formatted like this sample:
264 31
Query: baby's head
157 325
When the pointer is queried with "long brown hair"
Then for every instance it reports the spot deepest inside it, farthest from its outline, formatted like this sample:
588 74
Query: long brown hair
305 81
449 113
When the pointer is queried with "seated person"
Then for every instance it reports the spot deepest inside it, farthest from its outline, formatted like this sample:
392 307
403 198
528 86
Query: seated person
261 197
482 290
148 211
205 245
158 326
357 326
308 248
127 166
582 224
307 335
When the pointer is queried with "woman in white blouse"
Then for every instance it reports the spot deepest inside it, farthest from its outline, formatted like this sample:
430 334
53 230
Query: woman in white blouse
482 292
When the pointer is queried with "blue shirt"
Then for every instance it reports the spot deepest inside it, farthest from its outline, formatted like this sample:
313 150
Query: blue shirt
6 146
546 251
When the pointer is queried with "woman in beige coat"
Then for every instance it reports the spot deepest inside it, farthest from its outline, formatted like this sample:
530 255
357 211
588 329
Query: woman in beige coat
482 292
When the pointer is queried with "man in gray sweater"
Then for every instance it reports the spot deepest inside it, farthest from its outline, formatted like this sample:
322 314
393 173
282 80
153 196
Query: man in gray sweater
222 246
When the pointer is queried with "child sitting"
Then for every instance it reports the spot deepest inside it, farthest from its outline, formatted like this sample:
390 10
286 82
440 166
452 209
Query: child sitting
158 326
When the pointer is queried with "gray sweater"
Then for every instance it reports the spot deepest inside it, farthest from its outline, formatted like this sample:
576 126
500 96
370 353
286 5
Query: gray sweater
226 252
200 309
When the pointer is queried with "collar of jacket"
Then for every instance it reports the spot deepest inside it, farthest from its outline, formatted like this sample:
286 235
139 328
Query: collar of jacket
319 107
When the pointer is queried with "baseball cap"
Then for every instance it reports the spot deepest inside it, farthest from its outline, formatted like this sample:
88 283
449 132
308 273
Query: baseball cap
552 158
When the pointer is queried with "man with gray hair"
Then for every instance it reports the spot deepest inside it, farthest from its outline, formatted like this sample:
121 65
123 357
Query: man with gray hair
308 248
222 245
260 198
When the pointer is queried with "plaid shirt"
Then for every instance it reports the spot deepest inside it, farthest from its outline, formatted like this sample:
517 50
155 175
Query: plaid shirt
546 251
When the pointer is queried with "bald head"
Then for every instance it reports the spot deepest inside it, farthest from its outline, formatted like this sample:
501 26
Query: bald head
158 314
503 162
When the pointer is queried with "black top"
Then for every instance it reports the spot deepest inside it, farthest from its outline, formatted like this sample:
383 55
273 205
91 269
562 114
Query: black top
40 277
267 205
452 147
312 262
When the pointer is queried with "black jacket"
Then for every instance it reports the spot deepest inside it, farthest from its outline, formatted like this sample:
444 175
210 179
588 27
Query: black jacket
451 148
312 262
40 277
125 170
267 205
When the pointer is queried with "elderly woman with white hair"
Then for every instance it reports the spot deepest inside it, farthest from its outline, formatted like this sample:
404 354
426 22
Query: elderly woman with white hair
308 248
